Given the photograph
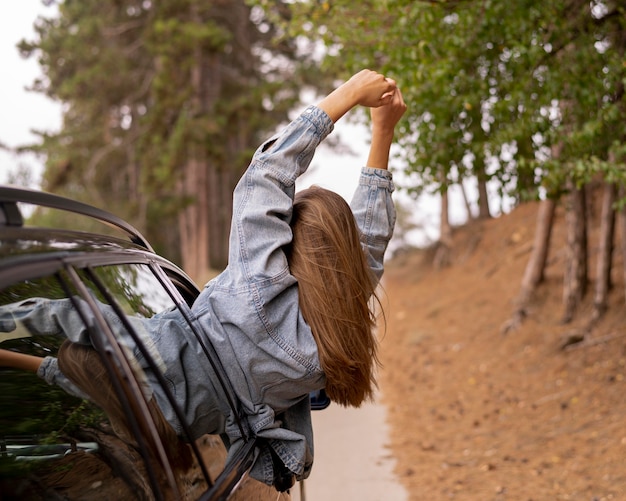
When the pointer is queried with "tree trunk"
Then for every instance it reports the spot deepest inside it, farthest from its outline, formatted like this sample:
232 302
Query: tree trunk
534 272
195 217
466 202
442 256
193 220
622 228
575 278
604 262
217 75
220 213
483 196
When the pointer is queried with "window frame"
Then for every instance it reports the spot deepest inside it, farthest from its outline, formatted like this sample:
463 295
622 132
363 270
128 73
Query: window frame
182 291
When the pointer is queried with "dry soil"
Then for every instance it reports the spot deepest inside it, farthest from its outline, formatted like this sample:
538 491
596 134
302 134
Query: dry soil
478 415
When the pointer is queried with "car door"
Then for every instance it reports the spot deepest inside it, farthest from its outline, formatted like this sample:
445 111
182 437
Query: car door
51 440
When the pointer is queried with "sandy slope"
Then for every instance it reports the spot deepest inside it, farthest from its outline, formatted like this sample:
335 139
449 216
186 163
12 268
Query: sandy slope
475 415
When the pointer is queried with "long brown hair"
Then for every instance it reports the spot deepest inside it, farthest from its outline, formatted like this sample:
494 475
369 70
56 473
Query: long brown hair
336 291
83 366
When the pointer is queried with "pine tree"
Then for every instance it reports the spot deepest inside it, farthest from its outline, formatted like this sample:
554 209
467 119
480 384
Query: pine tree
164 104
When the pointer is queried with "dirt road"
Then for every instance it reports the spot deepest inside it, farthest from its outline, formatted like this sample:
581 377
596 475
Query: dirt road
352 458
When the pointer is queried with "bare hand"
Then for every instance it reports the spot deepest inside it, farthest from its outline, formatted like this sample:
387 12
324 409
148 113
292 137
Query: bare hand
385 118
367 88
371 88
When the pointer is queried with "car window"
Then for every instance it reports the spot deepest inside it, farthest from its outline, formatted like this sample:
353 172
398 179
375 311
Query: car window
40 424
135 288
47 429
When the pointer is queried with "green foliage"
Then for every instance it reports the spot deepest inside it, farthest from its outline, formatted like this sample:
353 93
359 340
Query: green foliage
148 87
495 90
492 87
42 409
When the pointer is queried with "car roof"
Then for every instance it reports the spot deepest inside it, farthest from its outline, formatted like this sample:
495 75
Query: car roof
18 240
11 216
29 252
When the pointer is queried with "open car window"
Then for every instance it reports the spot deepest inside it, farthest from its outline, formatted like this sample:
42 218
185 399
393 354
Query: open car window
101 434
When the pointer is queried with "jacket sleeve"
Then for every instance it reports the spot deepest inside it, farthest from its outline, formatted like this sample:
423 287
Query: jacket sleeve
49 371
263 198
375 214
41 316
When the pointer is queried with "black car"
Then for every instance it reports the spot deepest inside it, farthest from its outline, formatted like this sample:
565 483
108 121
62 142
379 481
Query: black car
55 445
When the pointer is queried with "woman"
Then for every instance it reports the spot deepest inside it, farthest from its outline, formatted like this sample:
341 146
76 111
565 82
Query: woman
292 312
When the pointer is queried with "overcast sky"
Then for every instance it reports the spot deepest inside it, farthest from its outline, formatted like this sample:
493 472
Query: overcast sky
21 111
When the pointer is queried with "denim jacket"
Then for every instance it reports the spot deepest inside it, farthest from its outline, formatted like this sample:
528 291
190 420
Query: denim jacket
249 313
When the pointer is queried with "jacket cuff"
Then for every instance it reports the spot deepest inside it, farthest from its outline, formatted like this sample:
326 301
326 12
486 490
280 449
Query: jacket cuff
382 178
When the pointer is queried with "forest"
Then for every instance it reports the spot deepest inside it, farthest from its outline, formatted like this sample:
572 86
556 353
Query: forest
164 103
